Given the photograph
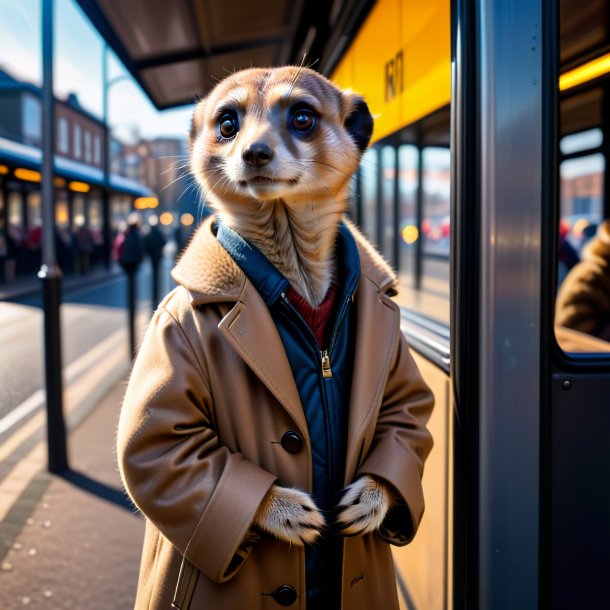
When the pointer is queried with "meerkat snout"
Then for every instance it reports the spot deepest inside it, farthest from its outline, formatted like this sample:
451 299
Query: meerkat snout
257 154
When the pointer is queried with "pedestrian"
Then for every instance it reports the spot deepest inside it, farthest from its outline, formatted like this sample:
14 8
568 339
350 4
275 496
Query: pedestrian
154 241
583 300
273 430
130 252
84 246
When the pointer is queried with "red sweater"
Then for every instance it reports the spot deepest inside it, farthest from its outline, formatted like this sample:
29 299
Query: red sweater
318 319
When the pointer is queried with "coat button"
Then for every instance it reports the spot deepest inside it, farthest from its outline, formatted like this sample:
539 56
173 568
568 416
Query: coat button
292 442
285 595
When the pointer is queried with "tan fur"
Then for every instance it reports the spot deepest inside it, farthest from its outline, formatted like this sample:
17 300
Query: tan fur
291 207
364 506
290 515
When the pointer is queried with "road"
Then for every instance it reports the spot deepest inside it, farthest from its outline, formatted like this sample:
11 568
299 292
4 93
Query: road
89 315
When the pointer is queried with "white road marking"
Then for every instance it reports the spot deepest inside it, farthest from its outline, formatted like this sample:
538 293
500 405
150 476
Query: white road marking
71 373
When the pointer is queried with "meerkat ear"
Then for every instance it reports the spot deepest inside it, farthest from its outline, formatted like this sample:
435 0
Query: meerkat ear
359 121
196 122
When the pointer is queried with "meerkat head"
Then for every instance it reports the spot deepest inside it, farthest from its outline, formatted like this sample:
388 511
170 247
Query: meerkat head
277 134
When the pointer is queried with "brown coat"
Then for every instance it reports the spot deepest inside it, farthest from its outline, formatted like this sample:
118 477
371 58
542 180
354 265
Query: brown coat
209 398
583 301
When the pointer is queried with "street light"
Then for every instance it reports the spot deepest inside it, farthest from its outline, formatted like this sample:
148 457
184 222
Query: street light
106 84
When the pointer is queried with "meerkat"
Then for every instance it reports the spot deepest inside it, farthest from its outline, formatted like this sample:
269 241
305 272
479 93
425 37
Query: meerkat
273 430
275 150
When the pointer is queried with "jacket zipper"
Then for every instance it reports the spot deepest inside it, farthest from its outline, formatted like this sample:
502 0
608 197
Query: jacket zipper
326 368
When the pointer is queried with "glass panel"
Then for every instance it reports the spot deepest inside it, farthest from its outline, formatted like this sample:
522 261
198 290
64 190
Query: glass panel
62 211
436 229
368 166
95 210
34 209
77 142
585 140
15 210
388 168
408 236
582 311
63 135
78 210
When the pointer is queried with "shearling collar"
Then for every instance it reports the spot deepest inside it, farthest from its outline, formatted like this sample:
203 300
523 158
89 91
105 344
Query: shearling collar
209 273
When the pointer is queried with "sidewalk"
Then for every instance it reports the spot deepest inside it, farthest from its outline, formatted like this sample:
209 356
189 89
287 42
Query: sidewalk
30 284
75 540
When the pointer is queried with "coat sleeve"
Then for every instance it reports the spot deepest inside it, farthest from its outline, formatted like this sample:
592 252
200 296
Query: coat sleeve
401 444
202 497
583 300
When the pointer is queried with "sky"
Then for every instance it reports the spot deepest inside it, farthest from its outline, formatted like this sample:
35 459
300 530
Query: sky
78 69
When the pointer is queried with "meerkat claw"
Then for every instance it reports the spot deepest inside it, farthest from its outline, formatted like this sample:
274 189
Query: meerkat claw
290 515
364 506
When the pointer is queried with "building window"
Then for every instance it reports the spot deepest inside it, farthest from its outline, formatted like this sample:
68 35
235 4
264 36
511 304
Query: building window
97 151
63 135
87 146
77 142
32 119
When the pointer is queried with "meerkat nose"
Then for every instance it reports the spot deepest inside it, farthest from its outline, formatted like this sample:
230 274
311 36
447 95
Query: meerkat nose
257 154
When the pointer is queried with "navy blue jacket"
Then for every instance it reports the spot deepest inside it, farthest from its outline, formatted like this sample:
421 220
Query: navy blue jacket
323 376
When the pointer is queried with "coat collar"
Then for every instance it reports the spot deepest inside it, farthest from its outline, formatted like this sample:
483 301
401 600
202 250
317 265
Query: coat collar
209 273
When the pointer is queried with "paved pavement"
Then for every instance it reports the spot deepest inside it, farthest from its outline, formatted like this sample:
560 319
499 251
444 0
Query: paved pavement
74 541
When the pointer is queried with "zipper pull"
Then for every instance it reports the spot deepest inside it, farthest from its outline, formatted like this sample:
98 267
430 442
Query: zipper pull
326 372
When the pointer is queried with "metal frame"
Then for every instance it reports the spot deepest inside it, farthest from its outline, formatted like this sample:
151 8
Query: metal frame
510 76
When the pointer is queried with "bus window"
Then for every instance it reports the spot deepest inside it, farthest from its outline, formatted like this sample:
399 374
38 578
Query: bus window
582 300
368 191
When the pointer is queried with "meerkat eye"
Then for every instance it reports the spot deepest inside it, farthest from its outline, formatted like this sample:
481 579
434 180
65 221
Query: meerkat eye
228 125
303 120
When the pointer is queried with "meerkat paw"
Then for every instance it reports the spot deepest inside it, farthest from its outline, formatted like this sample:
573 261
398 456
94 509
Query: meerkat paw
364 506
290 515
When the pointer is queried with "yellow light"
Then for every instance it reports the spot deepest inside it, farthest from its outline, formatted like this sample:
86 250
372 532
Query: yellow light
187 219
59 182
410 234
592 69
3 170
27 174
166 218
61 215
142 203
79 187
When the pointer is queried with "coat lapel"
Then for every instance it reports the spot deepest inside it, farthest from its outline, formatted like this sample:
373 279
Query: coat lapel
377 324
251 331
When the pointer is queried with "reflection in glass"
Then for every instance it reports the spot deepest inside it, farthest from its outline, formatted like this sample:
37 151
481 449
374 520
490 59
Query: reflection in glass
435 223
581 198
408 232
368 168
436 228
388 172
582 307
585 140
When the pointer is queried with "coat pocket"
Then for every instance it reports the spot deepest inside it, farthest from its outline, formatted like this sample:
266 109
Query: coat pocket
185 587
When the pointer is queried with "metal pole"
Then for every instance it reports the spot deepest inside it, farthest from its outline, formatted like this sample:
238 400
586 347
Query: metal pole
50 273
